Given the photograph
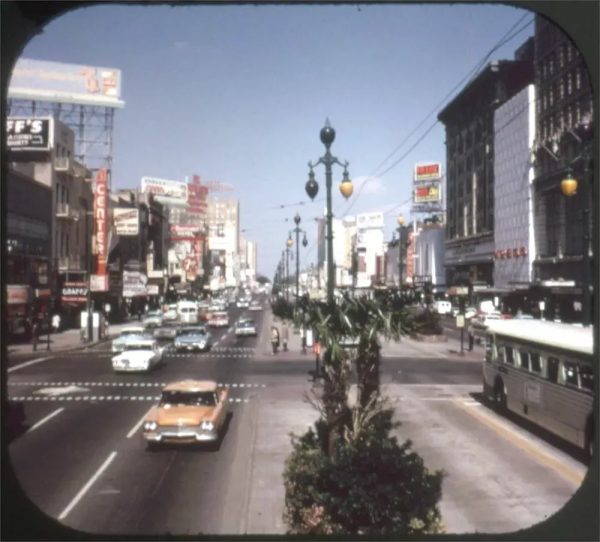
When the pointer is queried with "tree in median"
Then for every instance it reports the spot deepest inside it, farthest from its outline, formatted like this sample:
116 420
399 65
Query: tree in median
349 475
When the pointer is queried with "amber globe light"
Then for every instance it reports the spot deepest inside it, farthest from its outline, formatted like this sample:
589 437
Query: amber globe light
400 220
568 186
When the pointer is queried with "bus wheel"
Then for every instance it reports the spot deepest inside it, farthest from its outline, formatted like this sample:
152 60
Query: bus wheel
499 396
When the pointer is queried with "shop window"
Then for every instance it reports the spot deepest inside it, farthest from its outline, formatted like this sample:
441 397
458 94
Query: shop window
586 377
552 369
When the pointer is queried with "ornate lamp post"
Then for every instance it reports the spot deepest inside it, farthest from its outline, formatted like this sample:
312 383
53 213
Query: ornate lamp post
327 136
569 186
400 221
297 230
288 246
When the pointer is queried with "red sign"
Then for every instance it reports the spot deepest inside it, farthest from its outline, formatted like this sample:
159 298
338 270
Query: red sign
17 294
428 172
197 194
100 220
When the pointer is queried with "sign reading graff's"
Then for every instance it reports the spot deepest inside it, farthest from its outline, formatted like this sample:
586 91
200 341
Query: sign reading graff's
100 219
28 134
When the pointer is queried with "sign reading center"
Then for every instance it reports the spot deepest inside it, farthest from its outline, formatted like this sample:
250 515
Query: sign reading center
100 221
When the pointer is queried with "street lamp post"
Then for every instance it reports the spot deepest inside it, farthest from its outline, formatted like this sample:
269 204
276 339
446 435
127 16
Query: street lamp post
569 187
400 221
297 230
288 245
327 136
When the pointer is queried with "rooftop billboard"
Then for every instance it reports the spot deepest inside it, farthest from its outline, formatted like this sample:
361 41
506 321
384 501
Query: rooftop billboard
66 83
166 191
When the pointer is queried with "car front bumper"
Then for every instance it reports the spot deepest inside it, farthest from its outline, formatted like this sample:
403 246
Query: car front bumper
181 434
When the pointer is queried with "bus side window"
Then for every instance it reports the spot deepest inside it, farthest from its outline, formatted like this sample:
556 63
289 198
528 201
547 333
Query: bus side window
536 366
509 355
552 364
586 377
501 357
524 362
568 373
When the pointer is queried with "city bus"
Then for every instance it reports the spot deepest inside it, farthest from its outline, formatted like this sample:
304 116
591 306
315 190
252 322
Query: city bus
543 371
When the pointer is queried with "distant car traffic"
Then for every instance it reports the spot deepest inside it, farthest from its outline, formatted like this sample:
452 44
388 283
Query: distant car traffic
245 327
255 306
170 313
127 335
168 330
189 411
218 319
139 355
243 303
193 338
469 312
442 307
152 319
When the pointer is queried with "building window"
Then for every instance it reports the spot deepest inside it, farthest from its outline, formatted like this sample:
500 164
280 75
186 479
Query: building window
569 84
578 78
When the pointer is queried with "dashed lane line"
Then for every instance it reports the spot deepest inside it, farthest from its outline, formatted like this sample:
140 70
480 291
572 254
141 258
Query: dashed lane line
105 398
124 384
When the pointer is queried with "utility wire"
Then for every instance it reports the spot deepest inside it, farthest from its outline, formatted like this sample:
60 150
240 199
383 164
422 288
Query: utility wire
472 74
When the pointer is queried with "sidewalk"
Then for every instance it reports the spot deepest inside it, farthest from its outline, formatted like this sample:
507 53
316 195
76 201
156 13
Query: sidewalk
64 341
450 349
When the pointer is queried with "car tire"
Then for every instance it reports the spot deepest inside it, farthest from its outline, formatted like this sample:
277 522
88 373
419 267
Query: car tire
499 397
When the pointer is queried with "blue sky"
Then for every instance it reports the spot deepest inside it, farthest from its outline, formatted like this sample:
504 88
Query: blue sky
239 94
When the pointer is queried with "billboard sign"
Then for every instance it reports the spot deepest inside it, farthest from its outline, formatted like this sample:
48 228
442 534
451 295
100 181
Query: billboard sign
29 134
166 191
134 284
100 220
427 193
17 294
66 83
74 292
430 171
369 220
99 283
126 221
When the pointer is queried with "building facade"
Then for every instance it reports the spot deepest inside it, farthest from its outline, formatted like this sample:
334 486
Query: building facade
223 242
564 118
470 134
514 246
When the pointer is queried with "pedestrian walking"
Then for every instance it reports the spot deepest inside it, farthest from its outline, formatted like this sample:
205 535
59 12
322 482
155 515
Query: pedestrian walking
274 339
285 335
35 334
303 339
471 333
56 322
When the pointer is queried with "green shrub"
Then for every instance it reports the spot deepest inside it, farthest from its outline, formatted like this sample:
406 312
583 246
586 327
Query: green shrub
427 323
370 485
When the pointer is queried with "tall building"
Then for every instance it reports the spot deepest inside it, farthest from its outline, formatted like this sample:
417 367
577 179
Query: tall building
223 240
470 135
369 247
514 247
564 128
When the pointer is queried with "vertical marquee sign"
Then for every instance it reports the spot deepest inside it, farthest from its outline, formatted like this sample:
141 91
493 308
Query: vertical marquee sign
100 226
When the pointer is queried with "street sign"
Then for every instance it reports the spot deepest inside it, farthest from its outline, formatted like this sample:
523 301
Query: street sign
460 320
462 290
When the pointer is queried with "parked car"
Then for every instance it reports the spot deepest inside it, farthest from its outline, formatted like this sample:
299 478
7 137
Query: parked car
127 335
193 338
152 319
168 330
245 327
218 319
189 411
139 355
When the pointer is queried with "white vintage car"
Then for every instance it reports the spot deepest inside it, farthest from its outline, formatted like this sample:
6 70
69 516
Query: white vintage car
141 355
127 335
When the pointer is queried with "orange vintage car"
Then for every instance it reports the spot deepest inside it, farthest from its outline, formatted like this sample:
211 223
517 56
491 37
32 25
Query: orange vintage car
189 411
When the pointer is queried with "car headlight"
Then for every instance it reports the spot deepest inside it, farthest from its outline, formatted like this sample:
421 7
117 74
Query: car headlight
207 425
149 426
201 344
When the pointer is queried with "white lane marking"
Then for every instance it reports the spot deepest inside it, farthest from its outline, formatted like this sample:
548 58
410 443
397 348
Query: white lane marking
27 364
138 424
44 420
87 486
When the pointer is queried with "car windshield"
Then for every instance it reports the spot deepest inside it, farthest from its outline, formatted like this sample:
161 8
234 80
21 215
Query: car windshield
202 398
192 331
139 347
130 332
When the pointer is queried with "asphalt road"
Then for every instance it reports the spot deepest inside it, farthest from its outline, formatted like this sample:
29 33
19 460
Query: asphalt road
82 459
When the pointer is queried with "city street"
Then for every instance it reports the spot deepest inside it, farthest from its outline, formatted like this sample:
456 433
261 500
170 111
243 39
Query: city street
96 475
